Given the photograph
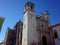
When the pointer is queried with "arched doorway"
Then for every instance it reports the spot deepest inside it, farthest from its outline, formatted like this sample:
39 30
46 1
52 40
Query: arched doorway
44 40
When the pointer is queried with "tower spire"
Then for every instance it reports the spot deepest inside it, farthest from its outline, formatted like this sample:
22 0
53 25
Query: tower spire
47 16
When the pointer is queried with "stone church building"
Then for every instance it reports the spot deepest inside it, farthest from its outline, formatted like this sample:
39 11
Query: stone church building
34 30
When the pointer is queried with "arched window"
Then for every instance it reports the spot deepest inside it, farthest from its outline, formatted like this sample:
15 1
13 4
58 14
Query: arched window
31 7
55 34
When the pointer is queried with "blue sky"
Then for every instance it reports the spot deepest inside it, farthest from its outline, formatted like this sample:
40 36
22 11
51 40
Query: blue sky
12 11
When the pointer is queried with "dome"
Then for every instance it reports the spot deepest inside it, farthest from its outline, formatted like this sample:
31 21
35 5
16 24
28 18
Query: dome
29 4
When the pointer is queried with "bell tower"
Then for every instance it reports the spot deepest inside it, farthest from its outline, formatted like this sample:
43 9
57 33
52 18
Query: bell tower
29 25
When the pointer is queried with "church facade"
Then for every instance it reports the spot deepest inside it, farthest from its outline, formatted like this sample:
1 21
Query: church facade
34 30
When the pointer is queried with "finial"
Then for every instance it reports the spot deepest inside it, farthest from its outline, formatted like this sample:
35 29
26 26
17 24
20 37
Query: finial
46 12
